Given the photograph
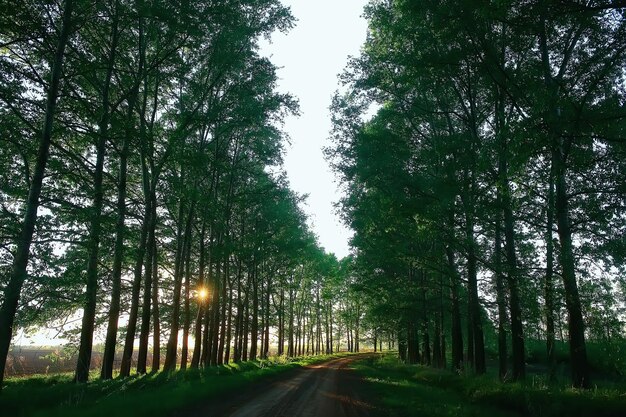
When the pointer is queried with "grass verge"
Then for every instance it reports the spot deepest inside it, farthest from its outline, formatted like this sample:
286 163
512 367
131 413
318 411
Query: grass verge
153 395
413 390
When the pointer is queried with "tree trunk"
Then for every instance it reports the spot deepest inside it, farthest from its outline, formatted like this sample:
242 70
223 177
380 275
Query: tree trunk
255 314
220 352
20 262
156 318
246 324
197 333
559 147
500 300
229 312
93 246
131 329
426 359
183 240
261 318
474 303
207 342
330 309
456 332
290 345
120 229
357 328
239 319
440 321
266 338
144 333
205 355
186 314
281 322
576 325
318 321
517 330
215 319
149 181
548 284
470 359
437 345
214 328
413 343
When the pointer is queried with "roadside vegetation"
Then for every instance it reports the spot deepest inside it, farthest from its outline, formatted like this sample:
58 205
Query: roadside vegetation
402 389
155 394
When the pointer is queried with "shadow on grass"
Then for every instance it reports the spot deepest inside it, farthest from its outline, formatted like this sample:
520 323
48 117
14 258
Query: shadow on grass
412 390
152 395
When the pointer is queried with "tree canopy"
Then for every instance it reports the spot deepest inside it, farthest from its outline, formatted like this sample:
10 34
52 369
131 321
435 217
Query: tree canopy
486 191
142 189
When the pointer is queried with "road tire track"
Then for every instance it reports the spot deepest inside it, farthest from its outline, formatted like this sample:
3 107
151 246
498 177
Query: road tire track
329 389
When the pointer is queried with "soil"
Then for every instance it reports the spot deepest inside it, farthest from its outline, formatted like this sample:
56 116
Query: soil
329 389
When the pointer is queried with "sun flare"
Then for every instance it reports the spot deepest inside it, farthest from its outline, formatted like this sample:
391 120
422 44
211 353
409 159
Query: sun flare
202 293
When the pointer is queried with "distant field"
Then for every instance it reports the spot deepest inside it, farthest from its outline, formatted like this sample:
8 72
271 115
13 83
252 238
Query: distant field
36 360
23 361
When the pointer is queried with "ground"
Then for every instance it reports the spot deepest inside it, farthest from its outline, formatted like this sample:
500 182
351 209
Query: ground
340 385
329 389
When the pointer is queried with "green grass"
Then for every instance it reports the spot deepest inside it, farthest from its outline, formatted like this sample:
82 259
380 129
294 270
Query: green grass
151 395
413 390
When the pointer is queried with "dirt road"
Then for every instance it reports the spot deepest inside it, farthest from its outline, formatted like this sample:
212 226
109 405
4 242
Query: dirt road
328 390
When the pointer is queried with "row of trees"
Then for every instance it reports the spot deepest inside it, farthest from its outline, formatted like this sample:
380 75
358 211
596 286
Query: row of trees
487 191
141 184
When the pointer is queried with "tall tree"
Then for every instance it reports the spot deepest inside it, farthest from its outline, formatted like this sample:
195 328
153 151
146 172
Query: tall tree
20 263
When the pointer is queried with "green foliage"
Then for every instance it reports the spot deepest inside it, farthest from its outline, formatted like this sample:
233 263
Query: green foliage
408 390
181 109
488 143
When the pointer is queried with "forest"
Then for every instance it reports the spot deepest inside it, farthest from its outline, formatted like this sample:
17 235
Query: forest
146 214
487 191
142 189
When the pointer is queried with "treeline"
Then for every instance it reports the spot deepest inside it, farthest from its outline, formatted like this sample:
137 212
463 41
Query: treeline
487 191
141 184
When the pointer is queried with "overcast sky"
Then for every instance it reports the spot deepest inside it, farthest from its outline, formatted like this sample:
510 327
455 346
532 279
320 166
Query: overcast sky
310 57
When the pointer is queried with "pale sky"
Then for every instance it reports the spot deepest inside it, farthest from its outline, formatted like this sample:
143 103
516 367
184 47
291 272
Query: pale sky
310 57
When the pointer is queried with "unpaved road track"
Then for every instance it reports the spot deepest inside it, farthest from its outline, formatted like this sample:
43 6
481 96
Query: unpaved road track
328 390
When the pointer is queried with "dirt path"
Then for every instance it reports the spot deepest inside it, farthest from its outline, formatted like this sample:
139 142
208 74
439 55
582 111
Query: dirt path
328 389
